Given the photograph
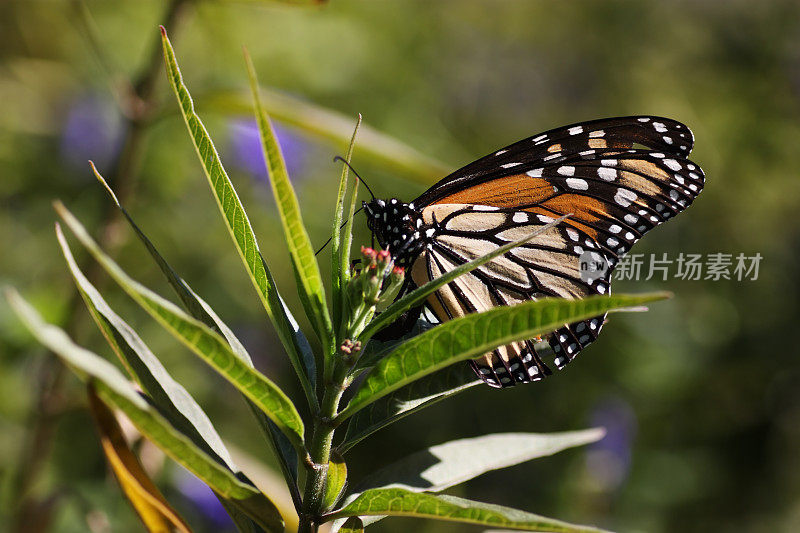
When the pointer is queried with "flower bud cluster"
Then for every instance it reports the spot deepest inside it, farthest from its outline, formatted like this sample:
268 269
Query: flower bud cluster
349 347
376 281
376 276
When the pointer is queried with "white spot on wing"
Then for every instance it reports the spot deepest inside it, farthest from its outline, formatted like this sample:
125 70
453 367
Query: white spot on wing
625 197
577 184
566 170
608 174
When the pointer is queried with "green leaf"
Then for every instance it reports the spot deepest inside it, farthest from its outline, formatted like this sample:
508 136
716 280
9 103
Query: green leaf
171 398
470 336
344 253
201 311
373 146
445 465
378 349
418 296
406 400
115 390
339 262
352 525
403 502
300 249
335 481
195 305
239 226
202 340
449 464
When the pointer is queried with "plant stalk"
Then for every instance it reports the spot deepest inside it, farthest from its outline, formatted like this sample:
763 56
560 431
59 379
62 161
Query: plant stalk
320 453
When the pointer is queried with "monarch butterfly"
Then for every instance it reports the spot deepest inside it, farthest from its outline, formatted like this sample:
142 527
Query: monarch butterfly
617 177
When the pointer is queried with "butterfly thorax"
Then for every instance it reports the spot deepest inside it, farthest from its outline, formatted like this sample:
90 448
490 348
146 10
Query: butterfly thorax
399 228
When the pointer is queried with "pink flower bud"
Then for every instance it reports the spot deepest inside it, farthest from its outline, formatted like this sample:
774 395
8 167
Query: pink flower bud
368 253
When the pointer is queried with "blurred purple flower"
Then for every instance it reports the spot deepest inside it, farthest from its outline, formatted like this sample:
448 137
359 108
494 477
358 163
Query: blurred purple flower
608 461
245 149
203 499
92 130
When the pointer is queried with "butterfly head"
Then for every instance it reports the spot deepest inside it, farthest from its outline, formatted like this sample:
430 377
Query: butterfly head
396 225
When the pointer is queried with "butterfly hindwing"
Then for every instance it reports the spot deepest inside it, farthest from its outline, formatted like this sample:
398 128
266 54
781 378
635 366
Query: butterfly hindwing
546 266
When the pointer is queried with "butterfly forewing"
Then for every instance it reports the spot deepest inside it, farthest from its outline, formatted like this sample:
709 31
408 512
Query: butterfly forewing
655 133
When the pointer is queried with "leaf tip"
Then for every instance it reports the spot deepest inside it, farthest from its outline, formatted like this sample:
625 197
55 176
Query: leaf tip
10 293
103 182
21 308
163 31
58 205
597 433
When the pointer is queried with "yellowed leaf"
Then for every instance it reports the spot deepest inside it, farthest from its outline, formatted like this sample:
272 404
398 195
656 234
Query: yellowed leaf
156 514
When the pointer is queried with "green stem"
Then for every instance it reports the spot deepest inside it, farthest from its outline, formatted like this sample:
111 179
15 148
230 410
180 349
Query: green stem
320 454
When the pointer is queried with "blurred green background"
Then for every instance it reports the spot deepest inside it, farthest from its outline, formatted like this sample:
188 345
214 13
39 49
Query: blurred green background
700 395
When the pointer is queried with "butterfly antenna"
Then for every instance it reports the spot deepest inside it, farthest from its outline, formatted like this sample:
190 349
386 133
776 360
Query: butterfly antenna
323 246
340 227
340 158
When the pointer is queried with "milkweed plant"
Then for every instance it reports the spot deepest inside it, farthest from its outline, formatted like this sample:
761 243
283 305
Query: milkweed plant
353 385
